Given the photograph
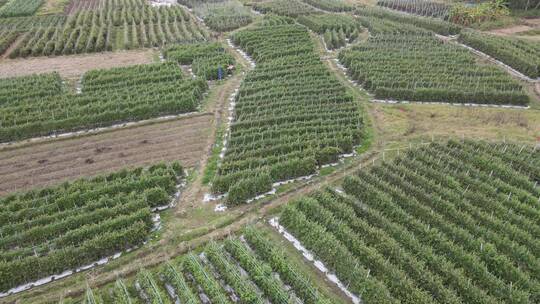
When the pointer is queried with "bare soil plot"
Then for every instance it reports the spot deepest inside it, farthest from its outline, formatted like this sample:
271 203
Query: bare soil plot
52 162
73 65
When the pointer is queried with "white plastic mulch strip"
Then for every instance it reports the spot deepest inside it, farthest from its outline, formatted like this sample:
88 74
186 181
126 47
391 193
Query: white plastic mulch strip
167 3
391 101
274 222
220 208
64 274
483 105
172 293
156 220
96 130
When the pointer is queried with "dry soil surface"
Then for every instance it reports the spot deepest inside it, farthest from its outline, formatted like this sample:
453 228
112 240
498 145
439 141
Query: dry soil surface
74 65
53 162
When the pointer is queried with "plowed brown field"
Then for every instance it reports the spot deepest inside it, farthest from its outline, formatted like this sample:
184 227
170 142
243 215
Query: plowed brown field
55 161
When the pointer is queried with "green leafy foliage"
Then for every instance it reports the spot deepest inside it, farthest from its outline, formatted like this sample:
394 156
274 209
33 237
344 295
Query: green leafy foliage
423 68
224 16
418 7
288 107
452 223
379 20
17 8
116 25
337 29
291 8
51 230
108 96
523 55
205 58
331 5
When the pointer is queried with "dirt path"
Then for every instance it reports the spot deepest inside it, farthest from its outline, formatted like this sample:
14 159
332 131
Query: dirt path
511 30
53 162
220 111
72 66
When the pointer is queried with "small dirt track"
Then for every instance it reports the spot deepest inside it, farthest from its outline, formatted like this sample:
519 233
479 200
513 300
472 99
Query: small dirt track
53 162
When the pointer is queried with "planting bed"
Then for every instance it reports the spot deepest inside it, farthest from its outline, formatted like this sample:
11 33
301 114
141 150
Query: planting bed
521 54
52 230
447 223
245 269
108 96
291 114
428 69
291 8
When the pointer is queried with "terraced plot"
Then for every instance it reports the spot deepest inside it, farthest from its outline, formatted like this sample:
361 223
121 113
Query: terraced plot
107 97
447 223
428 69
291 114
53 162
46 232
249 269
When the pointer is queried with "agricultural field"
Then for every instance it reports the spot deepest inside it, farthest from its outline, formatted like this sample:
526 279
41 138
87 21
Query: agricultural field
275 131
224 16
431 226
418 7
430 70
206 59
106 97
337 30
521 54
269 151
331 5
238 269
18 8
79 223
51 163
290 8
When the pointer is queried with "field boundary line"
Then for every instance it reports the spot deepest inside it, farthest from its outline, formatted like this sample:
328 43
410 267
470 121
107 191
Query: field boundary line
479 105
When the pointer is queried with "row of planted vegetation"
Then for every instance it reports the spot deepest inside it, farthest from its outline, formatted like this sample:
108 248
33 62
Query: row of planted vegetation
246 269
445 223
116 25
52 230
417 67
206 59
291 115
40 105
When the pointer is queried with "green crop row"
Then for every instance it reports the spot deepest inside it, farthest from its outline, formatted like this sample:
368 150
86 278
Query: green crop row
291 114
17 8
418 7
423 68
231 271
105 30
291 8
450 223
205 58
48 231
161 91
522 55
331 5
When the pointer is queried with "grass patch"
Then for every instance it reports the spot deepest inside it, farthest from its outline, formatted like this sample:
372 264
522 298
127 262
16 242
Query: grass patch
212 166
